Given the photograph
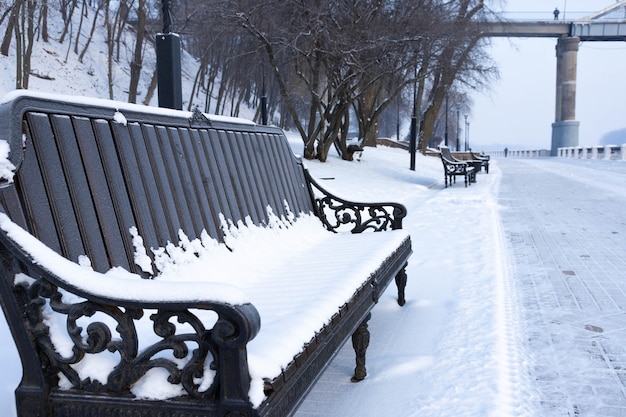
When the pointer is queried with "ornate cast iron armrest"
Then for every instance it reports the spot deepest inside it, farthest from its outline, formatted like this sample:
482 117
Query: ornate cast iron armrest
180 329
337 214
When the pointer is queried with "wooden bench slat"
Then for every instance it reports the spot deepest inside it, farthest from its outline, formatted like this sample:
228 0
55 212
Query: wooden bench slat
248 146
121 218
250 198
169 141
79 189
56 191
294 171
210 195
102 203
191 183
134 163
223 174
264 157
151 172
278 172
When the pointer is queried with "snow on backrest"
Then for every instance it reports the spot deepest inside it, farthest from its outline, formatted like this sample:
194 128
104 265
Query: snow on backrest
92 171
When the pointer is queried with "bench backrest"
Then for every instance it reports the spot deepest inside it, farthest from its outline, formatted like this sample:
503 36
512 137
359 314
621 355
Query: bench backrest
446 154
90 170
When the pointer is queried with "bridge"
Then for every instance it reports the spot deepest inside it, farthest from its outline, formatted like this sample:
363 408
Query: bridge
605 25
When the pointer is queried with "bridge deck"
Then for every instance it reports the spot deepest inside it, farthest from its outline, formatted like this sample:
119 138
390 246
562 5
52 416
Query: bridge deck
613 30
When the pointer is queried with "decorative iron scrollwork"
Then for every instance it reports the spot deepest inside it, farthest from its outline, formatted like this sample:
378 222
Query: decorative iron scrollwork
198 119
184 347
338 214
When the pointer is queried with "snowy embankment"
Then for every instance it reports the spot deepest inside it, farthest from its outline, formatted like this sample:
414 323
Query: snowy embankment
454 349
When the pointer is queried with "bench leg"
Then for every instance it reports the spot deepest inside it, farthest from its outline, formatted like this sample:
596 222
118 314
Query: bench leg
360 342
401 284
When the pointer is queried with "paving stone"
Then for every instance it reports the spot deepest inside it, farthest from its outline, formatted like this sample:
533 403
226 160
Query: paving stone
576 232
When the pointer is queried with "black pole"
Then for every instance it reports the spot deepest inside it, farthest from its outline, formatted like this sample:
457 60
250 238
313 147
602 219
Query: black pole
167 17
169 72
458 128
413 137
263 103
398 118
445 135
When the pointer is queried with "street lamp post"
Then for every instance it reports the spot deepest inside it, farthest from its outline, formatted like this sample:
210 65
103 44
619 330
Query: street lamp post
445 135
169 63
458 128
466 133
413 136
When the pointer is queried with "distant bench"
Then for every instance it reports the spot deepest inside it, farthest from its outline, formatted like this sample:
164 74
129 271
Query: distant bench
453 168
105 205
484 160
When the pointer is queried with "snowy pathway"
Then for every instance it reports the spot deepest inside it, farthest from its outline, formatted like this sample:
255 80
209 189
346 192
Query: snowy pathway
566 223
538 330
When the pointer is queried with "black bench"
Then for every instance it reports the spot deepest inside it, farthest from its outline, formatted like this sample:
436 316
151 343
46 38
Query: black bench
453 168
353 150
484 160
103 191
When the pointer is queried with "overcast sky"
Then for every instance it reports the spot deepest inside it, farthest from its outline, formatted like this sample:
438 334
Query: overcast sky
520 109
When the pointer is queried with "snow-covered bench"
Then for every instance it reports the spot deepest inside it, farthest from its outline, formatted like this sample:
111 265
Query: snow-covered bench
484 160
166 263
453 167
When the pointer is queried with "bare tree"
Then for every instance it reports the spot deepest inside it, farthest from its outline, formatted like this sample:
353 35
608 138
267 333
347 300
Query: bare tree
93 29
455 58
67 16
137 63
12 22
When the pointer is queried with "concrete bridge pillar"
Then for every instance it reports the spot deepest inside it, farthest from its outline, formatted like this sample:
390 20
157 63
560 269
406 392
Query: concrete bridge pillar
565 128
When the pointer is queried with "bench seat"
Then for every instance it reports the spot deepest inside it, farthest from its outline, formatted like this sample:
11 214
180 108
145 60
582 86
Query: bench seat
294 300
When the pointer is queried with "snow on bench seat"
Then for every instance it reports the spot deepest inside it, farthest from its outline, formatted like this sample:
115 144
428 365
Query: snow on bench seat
296 275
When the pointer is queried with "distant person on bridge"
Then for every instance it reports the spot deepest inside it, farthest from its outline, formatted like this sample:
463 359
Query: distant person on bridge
506 152
556 13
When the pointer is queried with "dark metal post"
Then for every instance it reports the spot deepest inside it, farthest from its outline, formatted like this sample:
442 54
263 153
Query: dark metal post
263 103
458 129
398 118
445 135
169 63
413 137
466 133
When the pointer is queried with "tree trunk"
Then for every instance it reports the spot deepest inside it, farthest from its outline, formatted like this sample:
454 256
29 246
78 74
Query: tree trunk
68 22
44 21
137 63
18 53
80 27
151 88
10 31
30 38
93 28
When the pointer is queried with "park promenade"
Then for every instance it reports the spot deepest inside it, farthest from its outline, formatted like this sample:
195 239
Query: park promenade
564 224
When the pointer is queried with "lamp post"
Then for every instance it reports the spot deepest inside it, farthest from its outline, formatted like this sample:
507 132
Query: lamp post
263 102
413 137
466 133
458 130
168 63
445 135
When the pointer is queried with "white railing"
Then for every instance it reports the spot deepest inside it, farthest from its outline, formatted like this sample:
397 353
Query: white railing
608 152
528 153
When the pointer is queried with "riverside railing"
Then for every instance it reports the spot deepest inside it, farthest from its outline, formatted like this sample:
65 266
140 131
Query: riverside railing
519 153
609 152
